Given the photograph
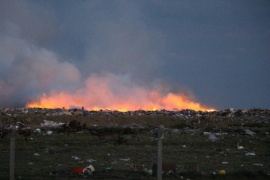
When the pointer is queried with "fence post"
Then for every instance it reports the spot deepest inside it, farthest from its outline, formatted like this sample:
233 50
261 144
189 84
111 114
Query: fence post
159 163
12 154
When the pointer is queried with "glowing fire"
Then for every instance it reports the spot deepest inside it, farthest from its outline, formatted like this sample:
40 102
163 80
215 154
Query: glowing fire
169 101
113 94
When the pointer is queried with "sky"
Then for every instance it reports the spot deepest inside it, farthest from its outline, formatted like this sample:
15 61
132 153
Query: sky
216 52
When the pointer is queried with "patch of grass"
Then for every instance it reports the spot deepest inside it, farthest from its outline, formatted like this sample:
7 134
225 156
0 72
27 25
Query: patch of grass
52 157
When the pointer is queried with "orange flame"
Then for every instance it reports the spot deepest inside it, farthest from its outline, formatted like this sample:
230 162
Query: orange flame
103 93
169 101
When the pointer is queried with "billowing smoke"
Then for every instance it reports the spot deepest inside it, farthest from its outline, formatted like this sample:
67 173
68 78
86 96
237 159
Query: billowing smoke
27 71
30 66
86 53
117 92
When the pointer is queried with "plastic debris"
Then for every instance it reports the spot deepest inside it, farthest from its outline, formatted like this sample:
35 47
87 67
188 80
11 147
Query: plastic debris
148 171
77 170
61 165
206 133
38 130
239 147
90 160
222 171
250 154
36 154
249 132
50 124
76 158
124 159
212 138
257 164
49 132
89 170
108 168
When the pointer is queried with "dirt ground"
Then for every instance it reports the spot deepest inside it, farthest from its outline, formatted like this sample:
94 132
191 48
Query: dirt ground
228 144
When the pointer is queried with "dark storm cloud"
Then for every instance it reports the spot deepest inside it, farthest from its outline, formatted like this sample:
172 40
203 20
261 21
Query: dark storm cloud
110 37
220 50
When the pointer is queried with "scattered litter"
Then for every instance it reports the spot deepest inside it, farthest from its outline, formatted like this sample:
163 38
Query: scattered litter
90 160
60 165
126 159
67 113
257 164
114 162
245 118
212 137
50 124
250 154
89 170
49 132
222 171
76 158
249 132
221 134
149 171
77 170
239 147
175 131
38 130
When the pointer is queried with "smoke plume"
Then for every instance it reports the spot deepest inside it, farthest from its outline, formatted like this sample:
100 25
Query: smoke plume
107 58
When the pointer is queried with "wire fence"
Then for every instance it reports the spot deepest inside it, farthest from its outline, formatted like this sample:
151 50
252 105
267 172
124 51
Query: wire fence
131 156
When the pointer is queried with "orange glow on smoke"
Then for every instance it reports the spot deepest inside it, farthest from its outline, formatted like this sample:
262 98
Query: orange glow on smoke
169 101
112 94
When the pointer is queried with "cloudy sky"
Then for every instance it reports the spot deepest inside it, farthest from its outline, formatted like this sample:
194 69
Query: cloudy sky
217 51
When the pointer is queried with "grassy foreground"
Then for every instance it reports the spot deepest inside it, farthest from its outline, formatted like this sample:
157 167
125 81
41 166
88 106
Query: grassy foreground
187 145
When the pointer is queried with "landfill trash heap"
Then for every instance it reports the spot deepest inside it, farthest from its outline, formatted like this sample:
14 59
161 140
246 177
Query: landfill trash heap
73 120
188 113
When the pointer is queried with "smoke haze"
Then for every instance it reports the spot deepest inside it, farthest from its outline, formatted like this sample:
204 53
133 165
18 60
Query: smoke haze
135 48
